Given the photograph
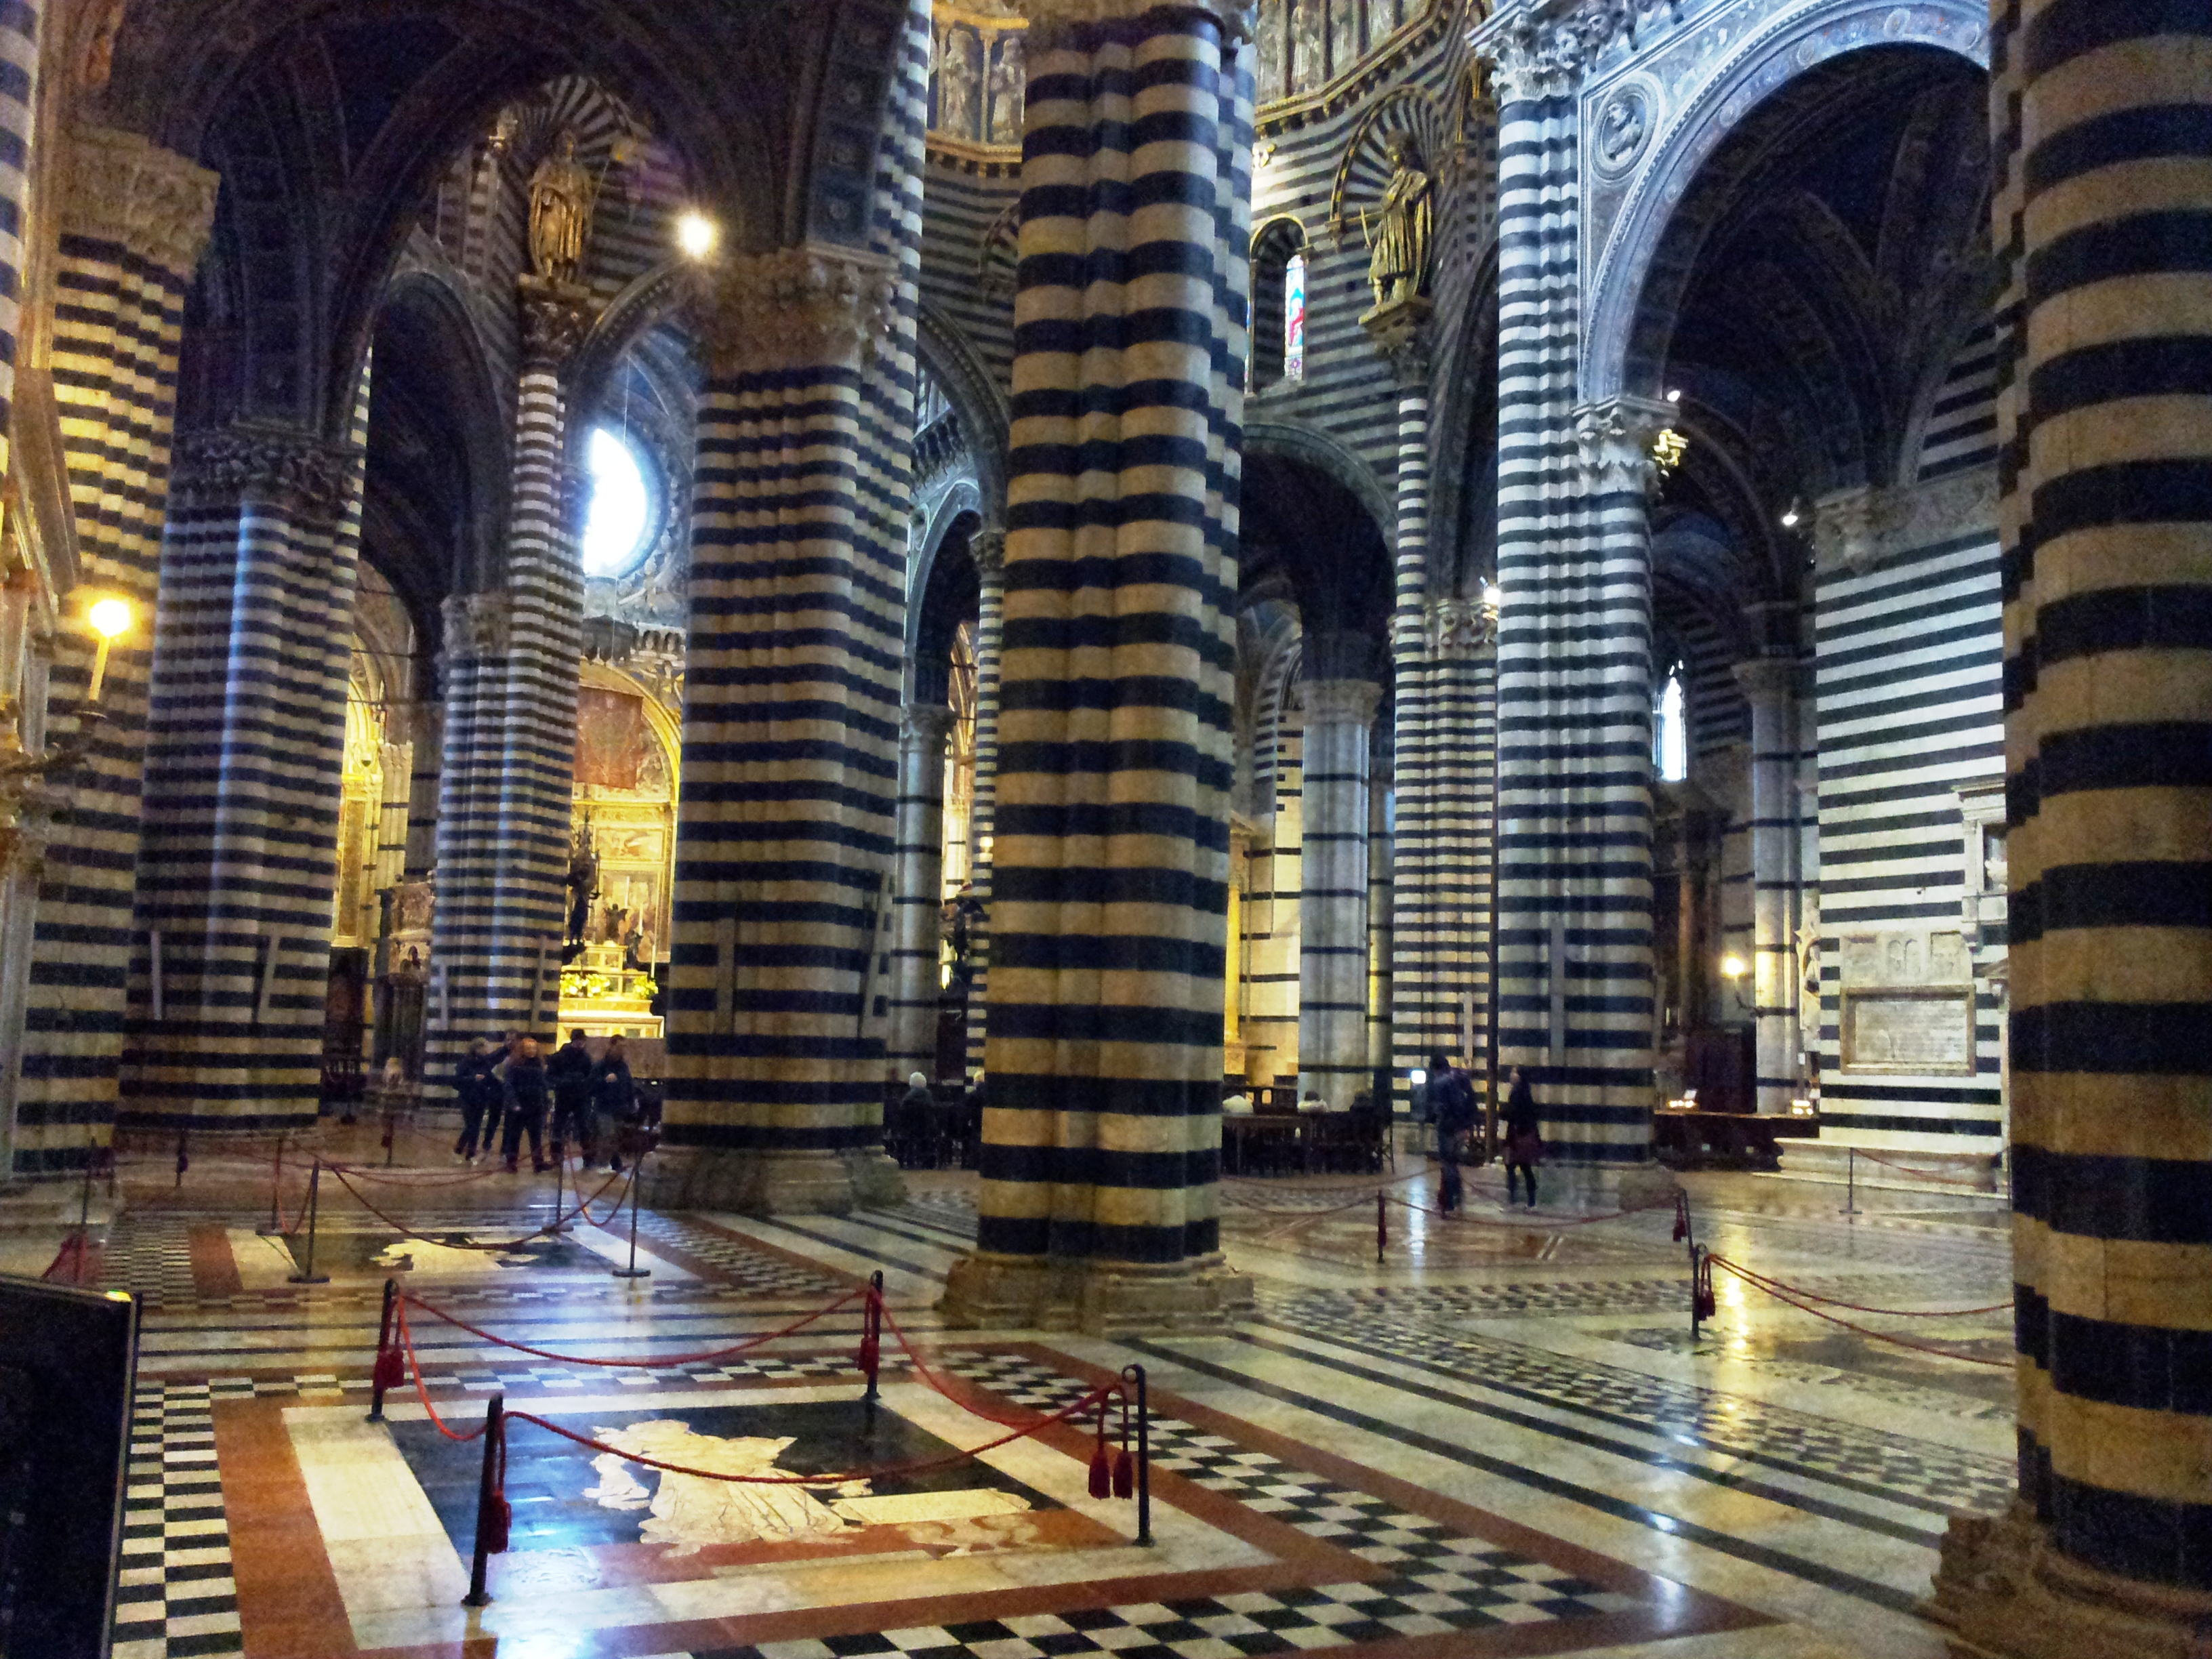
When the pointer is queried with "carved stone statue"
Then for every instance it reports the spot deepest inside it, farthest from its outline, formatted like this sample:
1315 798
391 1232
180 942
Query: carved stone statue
1009 79
959 71
99 53
1399 235
1620 130
561 195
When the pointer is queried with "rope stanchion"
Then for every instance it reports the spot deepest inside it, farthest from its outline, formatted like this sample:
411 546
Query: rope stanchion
408 1300
274 1227
1772 1289
1133 1377
389 1371
871 1355
494 1515
1764 1281
307 1275
1382 1228
402 1228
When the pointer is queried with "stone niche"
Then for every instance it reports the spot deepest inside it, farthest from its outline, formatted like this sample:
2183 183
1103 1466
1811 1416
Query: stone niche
1907 1003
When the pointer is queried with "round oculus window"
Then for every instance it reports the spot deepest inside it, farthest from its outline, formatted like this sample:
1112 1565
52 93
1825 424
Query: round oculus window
620 525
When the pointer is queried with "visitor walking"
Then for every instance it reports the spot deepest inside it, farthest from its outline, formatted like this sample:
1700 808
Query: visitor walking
525 1105
614 1100
1451 1102
474 1088
1524 1136
569 1075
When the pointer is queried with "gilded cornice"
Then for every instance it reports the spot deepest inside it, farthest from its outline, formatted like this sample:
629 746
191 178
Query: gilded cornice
294 470
122 188
795 308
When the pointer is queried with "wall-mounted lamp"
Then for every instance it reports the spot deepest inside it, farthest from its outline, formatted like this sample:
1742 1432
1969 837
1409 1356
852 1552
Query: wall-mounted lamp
1733 967
111 619
1792 516
696 235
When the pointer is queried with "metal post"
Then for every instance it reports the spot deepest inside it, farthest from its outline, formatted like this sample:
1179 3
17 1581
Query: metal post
1851 1182
1381 1229
307 1275
183 1159
1695 1251
487 1483
556 1227
275 1225
871 1340
636 1180
84 1215
1136 1374
383 1341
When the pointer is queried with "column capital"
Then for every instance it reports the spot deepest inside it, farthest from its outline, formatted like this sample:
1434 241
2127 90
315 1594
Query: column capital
1615 437
1339 702
122 188
1460 628
1233 17
1767 679
988 547
1543 48
927 722
1846 526
794 307
476 626
1402 335
556 317
275 467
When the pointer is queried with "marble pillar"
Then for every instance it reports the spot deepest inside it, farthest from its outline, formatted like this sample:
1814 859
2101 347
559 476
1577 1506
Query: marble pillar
988 549
1332 936
918 892
1770 689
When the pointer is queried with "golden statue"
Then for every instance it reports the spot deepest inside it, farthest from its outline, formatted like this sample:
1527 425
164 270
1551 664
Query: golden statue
1403 228
561 195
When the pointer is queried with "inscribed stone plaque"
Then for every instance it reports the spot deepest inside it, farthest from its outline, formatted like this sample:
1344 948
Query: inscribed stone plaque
1918 1032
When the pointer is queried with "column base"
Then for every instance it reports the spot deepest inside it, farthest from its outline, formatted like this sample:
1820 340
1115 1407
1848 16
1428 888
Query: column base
2001 1586
990 1291
770 1183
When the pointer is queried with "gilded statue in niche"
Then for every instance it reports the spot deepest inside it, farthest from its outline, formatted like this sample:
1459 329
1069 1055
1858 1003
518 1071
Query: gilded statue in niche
561 195
1008 79
1401 232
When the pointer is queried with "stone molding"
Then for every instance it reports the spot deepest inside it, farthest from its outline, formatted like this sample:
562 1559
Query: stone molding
1236 18
926 722
989 550
1614 438
1339 702
2003 1585
122 188
556 319
477 626
293 471
796 307
1856 529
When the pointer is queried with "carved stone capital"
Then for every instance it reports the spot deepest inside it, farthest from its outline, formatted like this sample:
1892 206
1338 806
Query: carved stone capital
1401 334
121 188
1614 438
988 549
925 723
1234 17
1543 48
556 317
1854 530
1339 702
796 307
1769 680
476 626
296 471
1460 628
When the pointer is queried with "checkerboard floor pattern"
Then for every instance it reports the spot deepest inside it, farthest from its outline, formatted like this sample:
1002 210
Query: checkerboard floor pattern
749 1268
176 1599
1440 1582
150 1255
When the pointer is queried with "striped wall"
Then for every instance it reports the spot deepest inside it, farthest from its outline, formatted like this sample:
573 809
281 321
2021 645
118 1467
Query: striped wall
786 826
1101 1133
245 762
119 312
19 101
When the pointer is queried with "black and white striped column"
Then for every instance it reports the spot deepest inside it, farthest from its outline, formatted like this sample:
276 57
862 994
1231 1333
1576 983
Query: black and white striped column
1111 855
1769 689
1411 1034
1333 932
245 762
917 934
465 833
122 271
1379 858
19 101
2103 207
988 549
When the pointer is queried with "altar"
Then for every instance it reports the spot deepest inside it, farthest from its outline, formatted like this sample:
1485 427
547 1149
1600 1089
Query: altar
602 997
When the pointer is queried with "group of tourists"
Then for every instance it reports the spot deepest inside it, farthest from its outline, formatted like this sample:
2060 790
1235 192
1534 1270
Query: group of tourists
511 1085
1448 1096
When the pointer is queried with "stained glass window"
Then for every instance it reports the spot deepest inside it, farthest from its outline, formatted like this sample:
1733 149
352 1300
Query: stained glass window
1294 318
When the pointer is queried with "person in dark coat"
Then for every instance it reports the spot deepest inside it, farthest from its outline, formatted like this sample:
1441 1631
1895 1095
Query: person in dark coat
569 1074
473 1088
526 1111
613 1099
1451 1101
1524 1136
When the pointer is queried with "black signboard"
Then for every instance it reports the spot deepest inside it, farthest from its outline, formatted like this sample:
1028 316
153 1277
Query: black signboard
68 1362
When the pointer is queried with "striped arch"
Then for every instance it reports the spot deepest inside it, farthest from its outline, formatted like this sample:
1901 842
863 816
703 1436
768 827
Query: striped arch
1309 445
951 359
1633 287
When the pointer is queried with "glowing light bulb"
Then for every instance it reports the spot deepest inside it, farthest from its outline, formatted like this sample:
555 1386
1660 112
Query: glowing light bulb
696 235
1733 967
111 618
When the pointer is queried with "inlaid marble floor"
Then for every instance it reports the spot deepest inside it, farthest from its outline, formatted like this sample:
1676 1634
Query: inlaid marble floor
1501 1438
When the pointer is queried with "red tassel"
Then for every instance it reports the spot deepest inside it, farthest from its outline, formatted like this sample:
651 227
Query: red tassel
1125 1475
1682 1217
499 1520
391 1370
1101 1473
871 1355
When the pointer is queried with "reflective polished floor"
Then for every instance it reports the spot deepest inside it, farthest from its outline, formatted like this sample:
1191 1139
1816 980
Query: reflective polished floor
1500 1438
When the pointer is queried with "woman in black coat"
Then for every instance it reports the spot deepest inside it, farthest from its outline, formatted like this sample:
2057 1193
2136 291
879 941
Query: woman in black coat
1524 1137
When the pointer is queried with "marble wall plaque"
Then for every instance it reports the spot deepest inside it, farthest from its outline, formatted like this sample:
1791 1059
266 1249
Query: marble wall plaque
1920 1030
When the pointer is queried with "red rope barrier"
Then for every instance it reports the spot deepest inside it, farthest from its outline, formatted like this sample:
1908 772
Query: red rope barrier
1764 1281
415 1370
751 1342
423 1179
1861 1330
559 1219
1920 1175
1097 1397
584 1205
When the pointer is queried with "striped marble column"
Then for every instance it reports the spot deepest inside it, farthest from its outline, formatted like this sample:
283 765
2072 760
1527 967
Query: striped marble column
988 549
786 834
1769 687
466 834
132 222
1102 1134
1333 936
2104 416
393 811
919 889
428 749
1379 857
19 102
245 757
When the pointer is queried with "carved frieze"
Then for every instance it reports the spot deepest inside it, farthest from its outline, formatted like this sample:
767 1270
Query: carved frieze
121 188
796 307
297 471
